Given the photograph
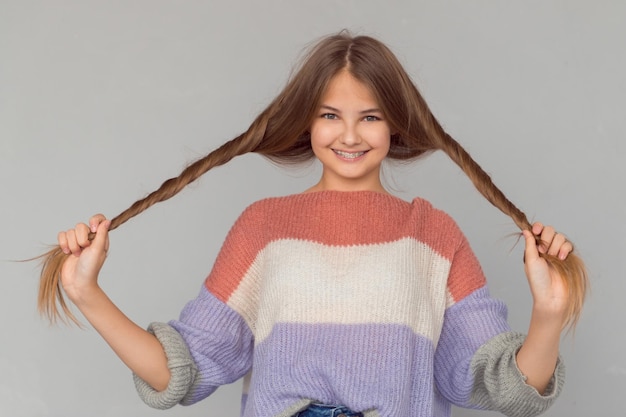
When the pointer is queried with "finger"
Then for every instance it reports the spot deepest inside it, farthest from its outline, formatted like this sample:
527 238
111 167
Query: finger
82 235
537 228
555 246
95 220
72 243
565 250
101 241
547 235
530 252
62 239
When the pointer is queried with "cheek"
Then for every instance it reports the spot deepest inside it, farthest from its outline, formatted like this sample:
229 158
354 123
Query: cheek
321 135
380 138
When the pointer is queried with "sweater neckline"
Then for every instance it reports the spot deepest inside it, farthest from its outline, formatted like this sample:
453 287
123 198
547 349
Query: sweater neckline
340 196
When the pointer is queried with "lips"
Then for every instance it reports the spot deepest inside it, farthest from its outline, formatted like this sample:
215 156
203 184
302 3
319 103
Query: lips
349 155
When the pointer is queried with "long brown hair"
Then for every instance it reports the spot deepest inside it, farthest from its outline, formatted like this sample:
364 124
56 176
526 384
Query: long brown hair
280 133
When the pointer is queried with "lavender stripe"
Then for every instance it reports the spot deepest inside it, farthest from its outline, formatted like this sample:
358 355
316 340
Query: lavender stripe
386 367
468 325
219 341
365 366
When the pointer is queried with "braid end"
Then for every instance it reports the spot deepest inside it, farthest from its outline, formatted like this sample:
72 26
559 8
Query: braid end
51 302
575 276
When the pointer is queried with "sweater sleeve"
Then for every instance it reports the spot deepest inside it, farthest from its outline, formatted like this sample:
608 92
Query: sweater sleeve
475 363
211 340
183 370
500 385
209 346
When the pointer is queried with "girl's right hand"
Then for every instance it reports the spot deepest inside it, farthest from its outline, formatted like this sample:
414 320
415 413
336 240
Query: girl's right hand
138 349
80 270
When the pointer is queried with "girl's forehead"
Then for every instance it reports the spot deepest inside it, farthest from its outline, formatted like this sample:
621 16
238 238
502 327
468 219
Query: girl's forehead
345 88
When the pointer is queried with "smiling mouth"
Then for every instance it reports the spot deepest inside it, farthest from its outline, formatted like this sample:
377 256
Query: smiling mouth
349 155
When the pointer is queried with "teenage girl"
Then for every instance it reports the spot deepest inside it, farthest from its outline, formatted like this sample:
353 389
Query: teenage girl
343 299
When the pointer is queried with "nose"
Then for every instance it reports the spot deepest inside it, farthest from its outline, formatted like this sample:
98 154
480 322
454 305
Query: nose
350 135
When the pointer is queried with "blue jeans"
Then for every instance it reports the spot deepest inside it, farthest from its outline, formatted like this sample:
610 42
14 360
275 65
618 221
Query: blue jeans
321 410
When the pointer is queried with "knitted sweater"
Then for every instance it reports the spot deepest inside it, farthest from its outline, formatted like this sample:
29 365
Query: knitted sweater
350 298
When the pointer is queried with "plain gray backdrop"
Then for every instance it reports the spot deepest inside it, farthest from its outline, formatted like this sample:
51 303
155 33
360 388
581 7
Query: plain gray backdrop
101 101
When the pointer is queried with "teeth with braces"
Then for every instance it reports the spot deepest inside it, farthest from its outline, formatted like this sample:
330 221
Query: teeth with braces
349 155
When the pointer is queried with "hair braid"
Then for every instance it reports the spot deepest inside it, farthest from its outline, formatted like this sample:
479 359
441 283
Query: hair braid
50 292
419 133
483 182
572 269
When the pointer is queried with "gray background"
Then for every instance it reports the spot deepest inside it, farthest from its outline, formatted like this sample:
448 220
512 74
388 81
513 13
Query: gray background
102 101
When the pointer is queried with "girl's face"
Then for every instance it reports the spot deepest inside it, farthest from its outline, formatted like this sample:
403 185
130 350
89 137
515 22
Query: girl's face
349 136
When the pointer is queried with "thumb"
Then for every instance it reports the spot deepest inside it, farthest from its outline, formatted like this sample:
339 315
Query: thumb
530 252
101 240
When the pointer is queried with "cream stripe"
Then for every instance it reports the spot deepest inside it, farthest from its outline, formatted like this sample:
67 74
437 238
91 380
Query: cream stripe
401 282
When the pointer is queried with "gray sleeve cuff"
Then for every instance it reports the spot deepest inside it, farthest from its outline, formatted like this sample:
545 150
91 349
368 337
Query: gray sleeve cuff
499 384
181 365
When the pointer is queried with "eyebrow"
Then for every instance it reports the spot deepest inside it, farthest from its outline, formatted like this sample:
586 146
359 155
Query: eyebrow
331 108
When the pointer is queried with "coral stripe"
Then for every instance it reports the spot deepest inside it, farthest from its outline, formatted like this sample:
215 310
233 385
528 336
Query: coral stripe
341 219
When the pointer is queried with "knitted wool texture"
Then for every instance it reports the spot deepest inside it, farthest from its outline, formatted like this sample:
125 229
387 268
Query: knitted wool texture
350 298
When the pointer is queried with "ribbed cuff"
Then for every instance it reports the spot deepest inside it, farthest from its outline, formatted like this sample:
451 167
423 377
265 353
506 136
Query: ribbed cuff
182 368
499 384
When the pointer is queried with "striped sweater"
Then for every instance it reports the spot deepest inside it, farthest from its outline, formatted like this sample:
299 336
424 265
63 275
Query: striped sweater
350 298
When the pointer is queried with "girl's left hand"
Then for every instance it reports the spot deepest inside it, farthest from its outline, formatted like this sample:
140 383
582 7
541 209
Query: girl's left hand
548 289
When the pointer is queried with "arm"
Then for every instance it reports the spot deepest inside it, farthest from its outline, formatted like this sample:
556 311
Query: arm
475 359
538 355
137 348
